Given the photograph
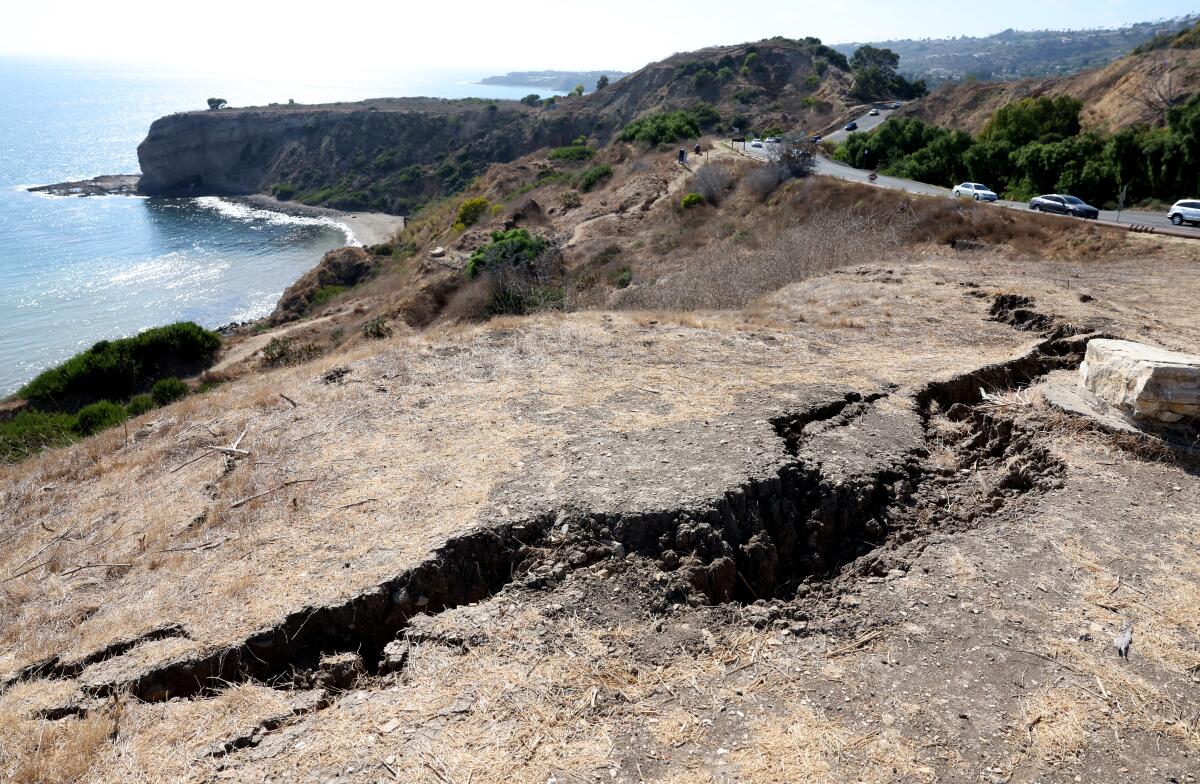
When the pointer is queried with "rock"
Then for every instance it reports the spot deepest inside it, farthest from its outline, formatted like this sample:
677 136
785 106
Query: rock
1148 383
438 252
339 671
341 267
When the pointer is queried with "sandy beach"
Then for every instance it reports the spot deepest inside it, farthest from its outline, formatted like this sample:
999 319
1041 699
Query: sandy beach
369 228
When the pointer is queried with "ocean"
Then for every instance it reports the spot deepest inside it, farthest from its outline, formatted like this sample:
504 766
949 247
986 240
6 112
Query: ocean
76 270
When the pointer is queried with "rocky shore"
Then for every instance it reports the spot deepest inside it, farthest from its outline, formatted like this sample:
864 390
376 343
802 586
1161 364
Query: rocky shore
104 185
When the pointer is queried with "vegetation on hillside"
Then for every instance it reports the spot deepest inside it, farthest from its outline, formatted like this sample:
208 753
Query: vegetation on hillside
83 395
1036 146
669 127
1014 54
875 76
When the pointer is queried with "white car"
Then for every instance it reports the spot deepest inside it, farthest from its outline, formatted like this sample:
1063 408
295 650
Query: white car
974 190
874 112
756 142
771 140
1185 211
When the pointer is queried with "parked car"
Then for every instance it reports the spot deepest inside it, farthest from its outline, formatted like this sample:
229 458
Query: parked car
756 142
852 126
1064 205
974 190
1185 211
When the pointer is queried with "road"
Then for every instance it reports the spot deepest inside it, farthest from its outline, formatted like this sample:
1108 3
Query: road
832 168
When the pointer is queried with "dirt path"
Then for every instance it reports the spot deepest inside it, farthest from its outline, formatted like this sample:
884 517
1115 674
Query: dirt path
254 343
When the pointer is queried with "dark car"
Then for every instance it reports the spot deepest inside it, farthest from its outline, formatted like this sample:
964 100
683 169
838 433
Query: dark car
852 126
1064 205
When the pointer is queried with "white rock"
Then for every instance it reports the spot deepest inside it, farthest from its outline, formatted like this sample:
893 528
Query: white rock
438 252
1143 381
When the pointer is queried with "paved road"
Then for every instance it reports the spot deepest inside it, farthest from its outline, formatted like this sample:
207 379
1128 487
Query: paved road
832 168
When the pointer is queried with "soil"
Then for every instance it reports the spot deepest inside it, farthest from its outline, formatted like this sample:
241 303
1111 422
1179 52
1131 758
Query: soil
607 547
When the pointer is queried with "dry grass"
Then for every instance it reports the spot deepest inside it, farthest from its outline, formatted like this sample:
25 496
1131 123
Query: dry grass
61 752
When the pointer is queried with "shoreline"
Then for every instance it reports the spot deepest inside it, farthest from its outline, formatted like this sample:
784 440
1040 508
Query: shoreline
365 228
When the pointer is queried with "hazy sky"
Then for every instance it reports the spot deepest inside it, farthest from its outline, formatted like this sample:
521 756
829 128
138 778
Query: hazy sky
354 36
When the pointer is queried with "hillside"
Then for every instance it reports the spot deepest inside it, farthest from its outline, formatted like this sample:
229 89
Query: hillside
554 81
1017 54
394 155
1134 89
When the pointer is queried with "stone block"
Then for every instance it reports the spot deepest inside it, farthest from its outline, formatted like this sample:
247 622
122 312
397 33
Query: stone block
1145 382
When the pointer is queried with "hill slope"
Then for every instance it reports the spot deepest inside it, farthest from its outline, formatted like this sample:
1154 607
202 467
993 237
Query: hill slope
1015 54
1135 89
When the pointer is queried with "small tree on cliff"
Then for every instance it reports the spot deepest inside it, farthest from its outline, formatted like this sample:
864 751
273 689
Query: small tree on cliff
578 91
602 82
217 103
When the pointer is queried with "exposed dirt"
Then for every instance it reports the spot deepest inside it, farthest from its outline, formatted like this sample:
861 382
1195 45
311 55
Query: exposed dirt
801 552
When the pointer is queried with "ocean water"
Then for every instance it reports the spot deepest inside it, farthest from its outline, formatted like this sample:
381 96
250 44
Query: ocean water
76 270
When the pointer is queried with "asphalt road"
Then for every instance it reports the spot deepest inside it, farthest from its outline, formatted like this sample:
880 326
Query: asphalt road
1157 220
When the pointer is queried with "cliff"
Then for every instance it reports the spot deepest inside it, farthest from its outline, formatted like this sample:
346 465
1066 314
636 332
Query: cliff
385 155
394 155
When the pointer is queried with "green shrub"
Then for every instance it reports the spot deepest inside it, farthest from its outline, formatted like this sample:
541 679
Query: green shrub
665 127
98 416
592 176
469 213
376 328
119 369
691 200
139 405
29 432
574 152
512 248
168 390
283 190
608 254
533 99
570 200
623 278
324 294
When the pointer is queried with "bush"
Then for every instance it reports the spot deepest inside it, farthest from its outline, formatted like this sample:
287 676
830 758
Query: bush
469 213
168 390
284 351
324 294
762 181
119 369
592 176
691 200
139 405
712 180
524 300
533 99
283 190
574 152
665 127
623 278
98 416
30 432
570 200
377 328
512 248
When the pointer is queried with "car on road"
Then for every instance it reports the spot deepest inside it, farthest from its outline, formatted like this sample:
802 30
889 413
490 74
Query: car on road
1062 204
816 140
852 126
874 112
974 190
771 140
756 142
1185 211
895 105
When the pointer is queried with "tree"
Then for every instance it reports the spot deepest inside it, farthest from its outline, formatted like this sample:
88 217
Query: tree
533 99
869 56
578 91
602 82
217 103
798 155
1158 89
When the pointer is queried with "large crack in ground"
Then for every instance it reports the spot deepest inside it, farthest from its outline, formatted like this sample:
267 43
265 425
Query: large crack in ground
761 540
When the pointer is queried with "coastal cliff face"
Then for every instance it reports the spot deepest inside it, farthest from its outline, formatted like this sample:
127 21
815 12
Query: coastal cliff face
394 155
385 155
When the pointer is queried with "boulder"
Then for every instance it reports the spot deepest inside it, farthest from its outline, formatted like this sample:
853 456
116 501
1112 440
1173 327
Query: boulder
1147 383
341 267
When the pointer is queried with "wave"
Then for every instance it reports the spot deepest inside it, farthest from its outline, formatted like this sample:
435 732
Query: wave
249 214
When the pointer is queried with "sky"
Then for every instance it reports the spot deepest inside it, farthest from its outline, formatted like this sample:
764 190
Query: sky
353 36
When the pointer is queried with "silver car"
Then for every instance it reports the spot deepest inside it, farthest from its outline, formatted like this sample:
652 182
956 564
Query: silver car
1185 211
974 190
